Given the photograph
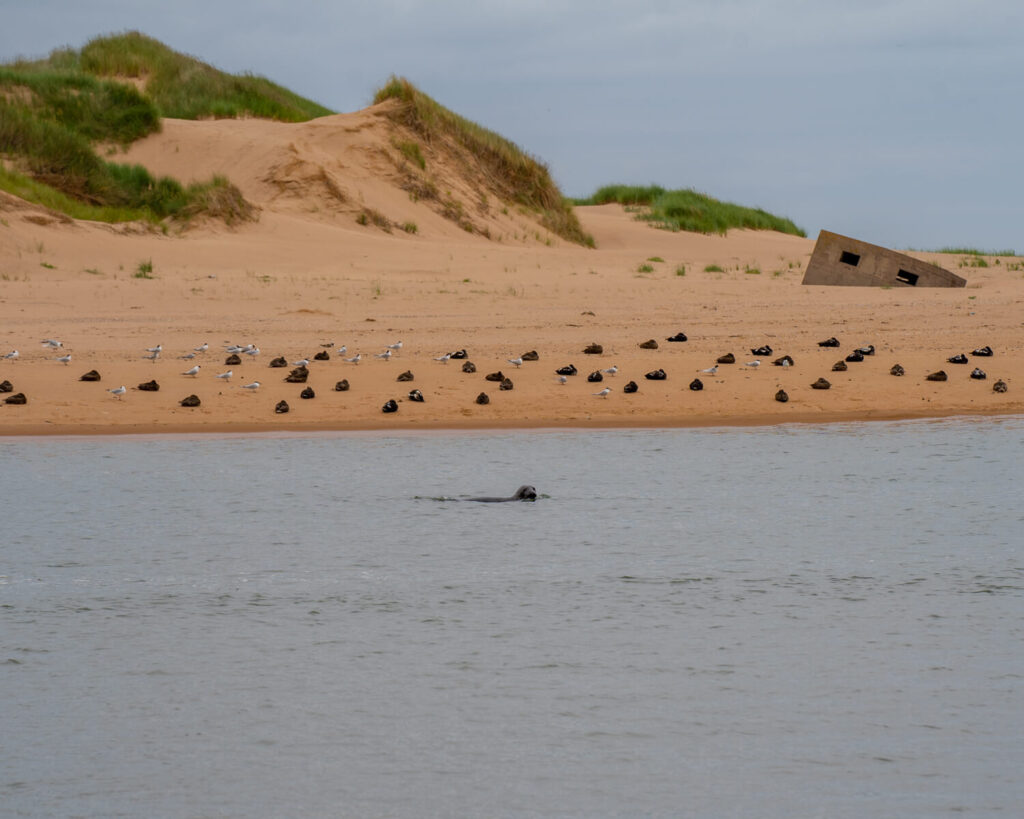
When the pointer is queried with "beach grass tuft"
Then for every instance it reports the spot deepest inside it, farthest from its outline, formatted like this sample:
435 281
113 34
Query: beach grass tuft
688 210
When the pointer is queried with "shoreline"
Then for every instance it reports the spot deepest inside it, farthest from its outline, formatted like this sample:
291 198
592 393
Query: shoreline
761 420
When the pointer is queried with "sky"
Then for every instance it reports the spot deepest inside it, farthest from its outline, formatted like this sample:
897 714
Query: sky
899 122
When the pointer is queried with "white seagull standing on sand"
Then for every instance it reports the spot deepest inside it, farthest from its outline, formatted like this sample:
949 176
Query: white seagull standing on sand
396 346
226 376
302 362
234 349
64 358
613 370
187 356
562 379
253 351
255 385
13 354
385 355
193 372
754 363
604 392
343 349
202 348
153 356
517 361
52 342
711 370
158 349
118 391
355 359
443 358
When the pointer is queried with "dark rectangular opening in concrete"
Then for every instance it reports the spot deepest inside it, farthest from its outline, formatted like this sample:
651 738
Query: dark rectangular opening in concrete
907 277
850 258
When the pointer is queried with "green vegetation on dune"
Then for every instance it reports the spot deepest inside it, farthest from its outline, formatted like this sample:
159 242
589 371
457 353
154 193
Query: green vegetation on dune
55 112
689 210
509 171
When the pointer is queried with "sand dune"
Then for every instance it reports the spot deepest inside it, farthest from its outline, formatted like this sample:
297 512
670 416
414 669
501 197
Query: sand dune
307 274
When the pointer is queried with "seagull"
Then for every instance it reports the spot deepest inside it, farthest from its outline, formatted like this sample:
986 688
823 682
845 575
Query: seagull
255 385
385 355
253 351
202 348
234 348
611 370
226 376
65 358
193 372
13 354
443 358
303 362
396 346
343 349
118 391
152 356
562 379
604 392
754 363
158 349
187 356
52 342
354 359
517 361
711 370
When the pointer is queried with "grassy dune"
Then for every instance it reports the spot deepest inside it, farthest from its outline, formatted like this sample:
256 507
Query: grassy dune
509 171
689 210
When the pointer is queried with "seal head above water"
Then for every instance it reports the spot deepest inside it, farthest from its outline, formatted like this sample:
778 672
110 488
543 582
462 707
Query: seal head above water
523 493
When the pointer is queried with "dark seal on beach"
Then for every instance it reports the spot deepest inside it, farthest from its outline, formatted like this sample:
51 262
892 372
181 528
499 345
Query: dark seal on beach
322 356
569 369
650 344
498 376
937 376
406 376
820 384
92 375
469 367
298 376
656 375
839 367
390 406
530 356
680 336
855 356
6 386
829 342
149 386
280 361
593 349
191 401
281 408
595 377
999 386
483 398
897 369
728 358
17 398
696 385
523 493
781 396
233 359
307 393
630 387
506 384
341 386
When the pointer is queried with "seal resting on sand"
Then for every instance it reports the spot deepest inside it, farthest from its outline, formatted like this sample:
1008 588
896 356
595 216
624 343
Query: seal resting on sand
523 493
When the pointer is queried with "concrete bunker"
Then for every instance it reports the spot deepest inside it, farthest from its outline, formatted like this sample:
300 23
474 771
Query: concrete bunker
840 260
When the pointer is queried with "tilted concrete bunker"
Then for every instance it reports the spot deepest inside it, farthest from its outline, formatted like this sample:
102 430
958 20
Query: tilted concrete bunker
840 260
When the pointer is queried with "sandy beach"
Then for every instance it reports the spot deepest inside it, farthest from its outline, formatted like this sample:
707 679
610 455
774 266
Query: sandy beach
307 277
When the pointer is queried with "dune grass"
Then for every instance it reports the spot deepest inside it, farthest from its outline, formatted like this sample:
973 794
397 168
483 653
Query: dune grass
506 169
689 210
181 86
971 251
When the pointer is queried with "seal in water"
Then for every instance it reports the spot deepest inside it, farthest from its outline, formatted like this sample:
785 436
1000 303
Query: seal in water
523 493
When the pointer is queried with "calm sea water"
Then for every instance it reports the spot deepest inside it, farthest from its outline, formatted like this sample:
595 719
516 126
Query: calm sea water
779 622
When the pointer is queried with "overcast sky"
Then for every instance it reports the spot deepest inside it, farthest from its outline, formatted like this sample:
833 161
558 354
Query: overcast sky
900 122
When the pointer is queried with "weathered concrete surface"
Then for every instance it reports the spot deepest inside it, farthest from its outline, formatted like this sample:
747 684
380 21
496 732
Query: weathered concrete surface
840 260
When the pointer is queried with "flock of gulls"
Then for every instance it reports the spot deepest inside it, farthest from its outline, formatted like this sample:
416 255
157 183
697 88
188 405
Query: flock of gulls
199 355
